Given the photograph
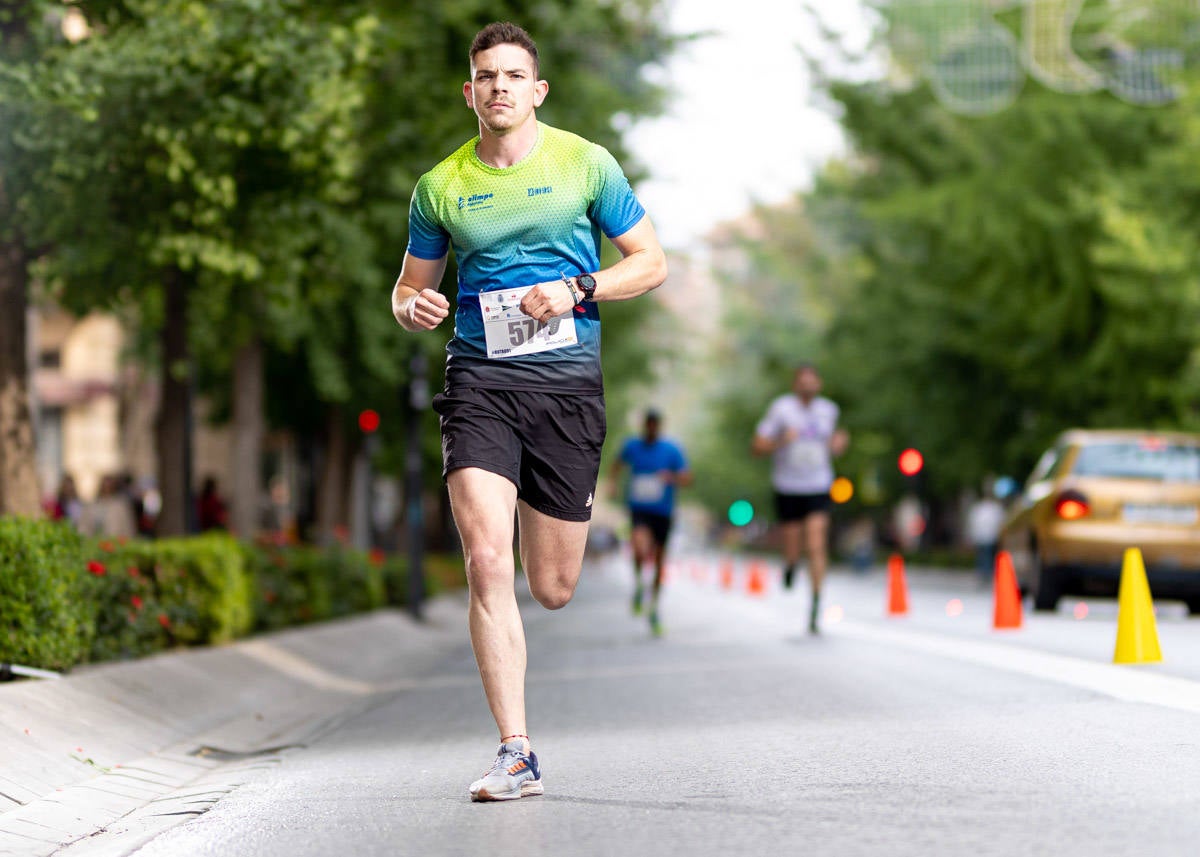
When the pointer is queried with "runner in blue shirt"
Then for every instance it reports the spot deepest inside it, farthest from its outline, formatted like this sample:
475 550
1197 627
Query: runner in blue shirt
657 466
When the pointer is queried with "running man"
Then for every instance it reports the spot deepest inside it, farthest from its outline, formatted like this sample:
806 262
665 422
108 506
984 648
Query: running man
656 466
800 432
522 413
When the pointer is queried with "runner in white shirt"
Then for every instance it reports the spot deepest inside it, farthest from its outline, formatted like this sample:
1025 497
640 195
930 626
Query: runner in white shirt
800 432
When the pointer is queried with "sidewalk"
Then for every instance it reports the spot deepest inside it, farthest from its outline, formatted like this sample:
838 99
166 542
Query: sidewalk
177 730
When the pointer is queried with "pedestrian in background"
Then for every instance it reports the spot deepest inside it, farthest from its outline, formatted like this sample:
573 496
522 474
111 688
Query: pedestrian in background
522 413
984 520
110 513
211 510
657 466
800 432
66 505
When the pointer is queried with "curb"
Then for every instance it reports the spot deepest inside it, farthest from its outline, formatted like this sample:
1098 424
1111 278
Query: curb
80 753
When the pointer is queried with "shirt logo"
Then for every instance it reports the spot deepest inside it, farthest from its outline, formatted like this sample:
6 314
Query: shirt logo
476 202
539 191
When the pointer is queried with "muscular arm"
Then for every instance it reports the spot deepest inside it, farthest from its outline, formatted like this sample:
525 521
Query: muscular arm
643 267
416 302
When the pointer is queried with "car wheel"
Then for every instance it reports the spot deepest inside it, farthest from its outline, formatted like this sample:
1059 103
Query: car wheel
1047 585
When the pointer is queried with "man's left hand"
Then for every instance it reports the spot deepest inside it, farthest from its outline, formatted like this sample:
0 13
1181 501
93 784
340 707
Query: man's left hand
546 300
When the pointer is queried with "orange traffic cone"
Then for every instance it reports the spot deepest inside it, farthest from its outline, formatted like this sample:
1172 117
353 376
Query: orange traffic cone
756 583
897 587
727 574
1006 611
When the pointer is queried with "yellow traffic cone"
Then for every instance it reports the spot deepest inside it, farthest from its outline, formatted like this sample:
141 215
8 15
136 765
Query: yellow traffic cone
1137 633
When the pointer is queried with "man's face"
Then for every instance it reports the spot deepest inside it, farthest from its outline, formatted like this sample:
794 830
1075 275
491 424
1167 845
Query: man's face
807 384
503 89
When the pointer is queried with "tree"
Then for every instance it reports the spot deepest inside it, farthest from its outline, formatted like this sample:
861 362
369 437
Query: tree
222 153
27 33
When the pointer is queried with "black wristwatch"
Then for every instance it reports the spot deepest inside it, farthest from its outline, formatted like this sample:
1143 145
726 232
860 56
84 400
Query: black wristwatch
587 285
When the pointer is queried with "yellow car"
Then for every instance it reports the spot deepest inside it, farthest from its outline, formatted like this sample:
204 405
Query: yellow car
1096 493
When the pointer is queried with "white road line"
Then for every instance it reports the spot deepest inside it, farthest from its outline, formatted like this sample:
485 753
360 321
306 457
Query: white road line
1124 682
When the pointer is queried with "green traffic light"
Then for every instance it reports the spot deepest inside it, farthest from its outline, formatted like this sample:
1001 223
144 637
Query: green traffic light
741 512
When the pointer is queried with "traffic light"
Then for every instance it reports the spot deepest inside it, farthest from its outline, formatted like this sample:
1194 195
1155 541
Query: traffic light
911 461
368 421
741 512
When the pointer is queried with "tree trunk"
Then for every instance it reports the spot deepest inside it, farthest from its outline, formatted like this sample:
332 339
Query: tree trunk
174 426
19 494
334 484
249 424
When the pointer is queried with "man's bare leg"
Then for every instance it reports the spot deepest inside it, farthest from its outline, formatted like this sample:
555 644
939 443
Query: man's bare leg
792 535
551 554
642 542
816 537
484 504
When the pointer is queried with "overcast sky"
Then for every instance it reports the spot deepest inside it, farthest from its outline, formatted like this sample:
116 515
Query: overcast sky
742 126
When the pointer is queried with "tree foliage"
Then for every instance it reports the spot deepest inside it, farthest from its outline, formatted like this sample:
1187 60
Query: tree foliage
982 283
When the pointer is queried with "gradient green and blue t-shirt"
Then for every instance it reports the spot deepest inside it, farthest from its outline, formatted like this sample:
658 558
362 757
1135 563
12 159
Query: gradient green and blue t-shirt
535 221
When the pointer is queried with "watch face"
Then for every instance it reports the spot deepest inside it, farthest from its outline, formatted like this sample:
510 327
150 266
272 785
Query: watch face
586 282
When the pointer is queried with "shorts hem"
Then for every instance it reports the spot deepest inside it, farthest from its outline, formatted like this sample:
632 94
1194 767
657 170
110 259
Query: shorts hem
560 514
483 464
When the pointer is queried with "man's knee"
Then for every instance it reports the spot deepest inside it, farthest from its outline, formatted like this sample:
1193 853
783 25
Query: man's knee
554 589
488 567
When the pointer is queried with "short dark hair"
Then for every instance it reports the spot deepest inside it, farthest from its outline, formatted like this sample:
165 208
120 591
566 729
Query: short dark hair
504 33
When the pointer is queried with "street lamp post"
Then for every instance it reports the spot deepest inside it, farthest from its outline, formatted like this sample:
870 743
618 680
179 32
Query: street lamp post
418 401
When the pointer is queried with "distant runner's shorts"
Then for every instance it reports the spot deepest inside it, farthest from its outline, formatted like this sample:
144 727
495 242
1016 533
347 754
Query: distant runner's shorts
797 507
659 525
547 444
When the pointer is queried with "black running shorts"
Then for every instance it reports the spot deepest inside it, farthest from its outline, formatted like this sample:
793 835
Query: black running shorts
659 525
547 444
797 507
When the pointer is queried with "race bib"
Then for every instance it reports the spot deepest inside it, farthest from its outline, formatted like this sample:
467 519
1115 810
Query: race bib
647 488
806 454
508 332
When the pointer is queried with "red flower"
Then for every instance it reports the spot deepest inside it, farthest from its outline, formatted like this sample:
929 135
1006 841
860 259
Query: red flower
133 571
106 546
136 601
164 620
376 557
95 568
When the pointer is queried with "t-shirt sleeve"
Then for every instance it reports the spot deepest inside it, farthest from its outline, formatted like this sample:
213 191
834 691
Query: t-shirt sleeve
680 460
771 423
427 239
626 448
614 207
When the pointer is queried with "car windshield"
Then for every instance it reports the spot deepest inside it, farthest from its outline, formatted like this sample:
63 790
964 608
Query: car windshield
1148 459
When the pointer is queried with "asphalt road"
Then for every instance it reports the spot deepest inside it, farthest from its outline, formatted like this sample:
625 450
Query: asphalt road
738 733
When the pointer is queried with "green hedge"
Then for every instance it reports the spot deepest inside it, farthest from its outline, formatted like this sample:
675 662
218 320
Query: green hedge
306 584
46 614
65 600
184 591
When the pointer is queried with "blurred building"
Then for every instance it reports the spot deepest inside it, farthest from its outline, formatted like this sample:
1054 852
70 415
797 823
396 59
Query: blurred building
95 409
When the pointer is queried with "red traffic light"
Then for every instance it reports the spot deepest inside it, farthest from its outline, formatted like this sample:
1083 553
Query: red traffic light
911 461
368 420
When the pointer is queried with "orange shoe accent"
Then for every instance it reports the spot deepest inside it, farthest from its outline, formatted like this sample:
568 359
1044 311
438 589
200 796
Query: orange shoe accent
1006 611
897 586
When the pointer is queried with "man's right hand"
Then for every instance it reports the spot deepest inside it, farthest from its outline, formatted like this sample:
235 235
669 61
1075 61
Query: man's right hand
426 309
